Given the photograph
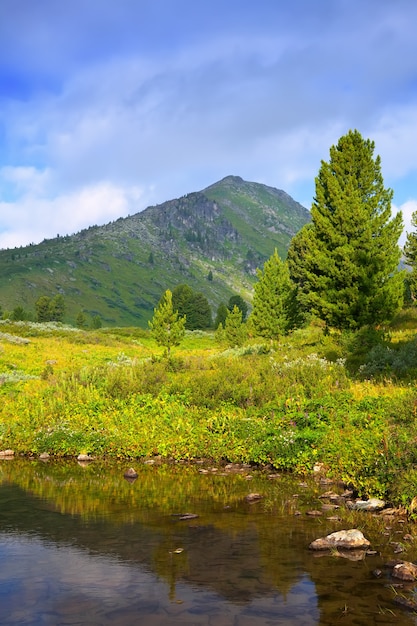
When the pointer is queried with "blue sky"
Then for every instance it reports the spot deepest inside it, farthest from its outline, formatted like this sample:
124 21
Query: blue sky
109 106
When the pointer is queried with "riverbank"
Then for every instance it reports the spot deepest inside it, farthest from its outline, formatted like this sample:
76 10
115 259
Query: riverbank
310 399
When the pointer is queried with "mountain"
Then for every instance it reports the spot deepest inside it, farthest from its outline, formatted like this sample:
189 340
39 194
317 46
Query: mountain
212 240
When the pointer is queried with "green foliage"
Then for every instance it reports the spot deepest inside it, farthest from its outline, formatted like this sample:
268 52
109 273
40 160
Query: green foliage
290 404
119 270
235 331
345 263
221 315
167 328
42 306
81 321
410 251
19 314
96 322
270 317
239 302
57 308
50 309
193 306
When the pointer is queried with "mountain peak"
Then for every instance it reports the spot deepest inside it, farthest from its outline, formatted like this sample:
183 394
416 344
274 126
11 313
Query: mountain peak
119 271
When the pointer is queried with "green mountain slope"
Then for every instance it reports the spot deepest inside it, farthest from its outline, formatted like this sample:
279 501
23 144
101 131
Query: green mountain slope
120 270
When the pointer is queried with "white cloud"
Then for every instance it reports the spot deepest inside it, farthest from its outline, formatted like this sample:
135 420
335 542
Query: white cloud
263 94
408 208
33 218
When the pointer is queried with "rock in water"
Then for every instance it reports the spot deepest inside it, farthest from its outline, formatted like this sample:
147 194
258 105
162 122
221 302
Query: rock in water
84 457
130 473
4 454
352 539
405 571
253 497
373 504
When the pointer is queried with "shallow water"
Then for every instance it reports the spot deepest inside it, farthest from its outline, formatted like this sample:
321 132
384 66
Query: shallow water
83 545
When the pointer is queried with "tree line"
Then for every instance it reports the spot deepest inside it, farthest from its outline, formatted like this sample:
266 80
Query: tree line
50 309
343 267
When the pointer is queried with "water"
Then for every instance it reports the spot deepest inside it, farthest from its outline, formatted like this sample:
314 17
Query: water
83 545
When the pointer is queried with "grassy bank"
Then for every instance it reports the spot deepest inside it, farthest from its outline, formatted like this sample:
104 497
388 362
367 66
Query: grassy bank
347 401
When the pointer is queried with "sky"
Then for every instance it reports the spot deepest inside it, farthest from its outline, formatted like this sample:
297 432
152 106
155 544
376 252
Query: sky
109 106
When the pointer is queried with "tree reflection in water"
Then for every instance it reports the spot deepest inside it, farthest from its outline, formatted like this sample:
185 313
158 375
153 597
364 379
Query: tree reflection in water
84 545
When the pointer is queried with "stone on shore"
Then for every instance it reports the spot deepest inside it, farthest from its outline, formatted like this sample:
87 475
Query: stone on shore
6 454
84 457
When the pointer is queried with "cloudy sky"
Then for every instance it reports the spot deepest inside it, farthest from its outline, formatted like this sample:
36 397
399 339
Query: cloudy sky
108 106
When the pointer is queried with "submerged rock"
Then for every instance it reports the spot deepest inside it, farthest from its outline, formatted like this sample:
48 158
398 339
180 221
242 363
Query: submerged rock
130 473
187 516
405 571
345 539
406 603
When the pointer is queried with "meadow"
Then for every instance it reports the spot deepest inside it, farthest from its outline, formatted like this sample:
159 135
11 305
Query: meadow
345 400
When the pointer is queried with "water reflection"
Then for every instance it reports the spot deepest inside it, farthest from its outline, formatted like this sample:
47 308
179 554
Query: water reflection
85 546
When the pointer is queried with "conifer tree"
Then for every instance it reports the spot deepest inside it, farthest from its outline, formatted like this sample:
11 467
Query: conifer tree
345 262
241 305
43 309
193 305
234 328
221 315
270 313
410 251
167 327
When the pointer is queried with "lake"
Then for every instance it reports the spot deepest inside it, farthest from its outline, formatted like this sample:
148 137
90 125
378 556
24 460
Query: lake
181 544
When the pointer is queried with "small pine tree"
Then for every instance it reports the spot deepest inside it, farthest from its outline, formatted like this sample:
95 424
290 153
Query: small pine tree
96 322
410 251
241 305
81 321
43 309
167 328
57 308
221 315
271 301
219 334
19 314
234 329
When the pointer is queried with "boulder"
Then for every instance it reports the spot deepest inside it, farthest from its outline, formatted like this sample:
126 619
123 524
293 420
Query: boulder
373 504
405 571
352 539
6 453
253 497
130 473
84 457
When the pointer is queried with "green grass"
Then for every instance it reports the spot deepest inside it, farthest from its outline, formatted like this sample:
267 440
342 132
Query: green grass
111 393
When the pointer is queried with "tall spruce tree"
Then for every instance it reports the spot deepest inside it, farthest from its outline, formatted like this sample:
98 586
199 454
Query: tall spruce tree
271 300
167 327
345 262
